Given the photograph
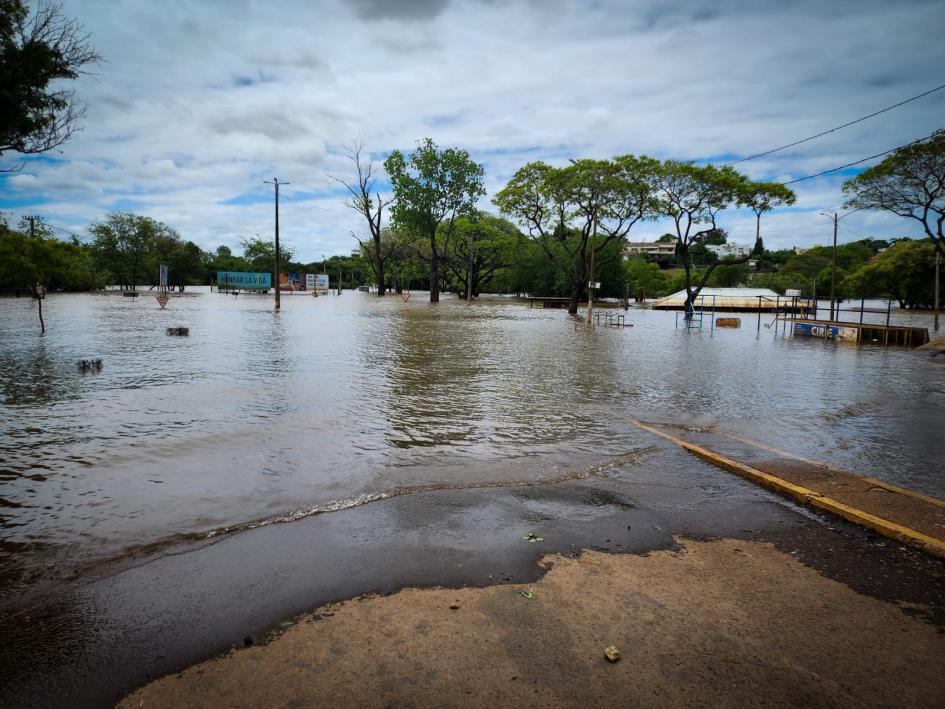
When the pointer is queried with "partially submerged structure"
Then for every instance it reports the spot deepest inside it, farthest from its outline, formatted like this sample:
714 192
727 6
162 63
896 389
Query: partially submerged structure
743 300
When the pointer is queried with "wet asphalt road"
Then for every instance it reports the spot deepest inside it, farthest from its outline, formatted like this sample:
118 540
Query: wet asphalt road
89 643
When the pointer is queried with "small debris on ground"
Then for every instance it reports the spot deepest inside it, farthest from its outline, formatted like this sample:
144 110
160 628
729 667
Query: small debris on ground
611 653
527 594
531 538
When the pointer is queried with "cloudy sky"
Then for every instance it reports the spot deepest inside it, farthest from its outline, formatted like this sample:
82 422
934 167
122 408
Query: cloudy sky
197 103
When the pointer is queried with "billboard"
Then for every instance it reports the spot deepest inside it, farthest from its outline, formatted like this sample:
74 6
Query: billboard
321 281
828 332
309 281
236 279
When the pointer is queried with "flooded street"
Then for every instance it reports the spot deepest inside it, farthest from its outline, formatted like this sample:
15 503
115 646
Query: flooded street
466 428
256 418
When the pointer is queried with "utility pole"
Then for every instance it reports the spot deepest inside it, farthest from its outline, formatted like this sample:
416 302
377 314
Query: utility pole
275 182
590 288
833 268
938 261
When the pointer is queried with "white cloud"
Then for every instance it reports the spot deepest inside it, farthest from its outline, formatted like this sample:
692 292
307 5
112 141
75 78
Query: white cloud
197 103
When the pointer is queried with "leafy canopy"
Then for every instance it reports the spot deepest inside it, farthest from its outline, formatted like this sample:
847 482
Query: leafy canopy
909 183
37 112
432 186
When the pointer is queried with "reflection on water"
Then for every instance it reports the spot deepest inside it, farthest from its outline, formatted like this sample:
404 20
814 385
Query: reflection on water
257 416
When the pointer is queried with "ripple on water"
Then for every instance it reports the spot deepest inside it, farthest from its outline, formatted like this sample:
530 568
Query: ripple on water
256 416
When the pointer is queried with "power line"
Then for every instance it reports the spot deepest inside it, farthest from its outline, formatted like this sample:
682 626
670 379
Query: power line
851 164
845 125
64 231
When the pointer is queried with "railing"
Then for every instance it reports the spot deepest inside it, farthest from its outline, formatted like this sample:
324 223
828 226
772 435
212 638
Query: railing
692 317
833 315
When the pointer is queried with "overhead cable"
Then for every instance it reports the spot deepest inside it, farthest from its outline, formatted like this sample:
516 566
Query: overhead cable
845 125
851 164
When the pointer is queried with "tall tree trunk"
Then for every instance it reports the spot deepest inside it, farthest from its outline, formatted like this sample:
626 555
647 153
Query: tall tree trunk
576 289
690 295
435 279
379 270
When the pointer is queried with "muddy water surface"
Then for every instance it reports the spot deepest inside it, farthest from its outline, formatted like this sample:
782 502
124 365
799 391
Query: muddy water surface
257 418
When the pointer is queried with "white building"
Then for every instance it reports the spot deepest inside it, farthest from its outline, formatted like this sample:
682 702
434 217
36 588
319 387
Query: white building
726 250
649 248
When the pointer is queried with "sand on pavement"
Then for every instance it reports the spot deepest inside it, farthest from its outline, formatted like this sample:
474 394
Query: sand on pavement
725 622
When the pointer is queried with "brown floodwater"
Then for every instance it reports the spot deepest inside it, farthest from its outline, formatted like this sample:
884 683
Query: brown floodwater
257 418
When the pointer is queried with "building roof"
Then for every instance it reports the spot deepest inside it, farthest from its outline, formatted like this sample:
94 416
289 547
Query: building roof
724 298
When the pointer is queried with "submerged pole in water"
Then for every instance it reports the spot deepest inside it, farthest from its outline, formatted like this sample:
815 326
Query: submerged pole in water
590 285
938 261
275 182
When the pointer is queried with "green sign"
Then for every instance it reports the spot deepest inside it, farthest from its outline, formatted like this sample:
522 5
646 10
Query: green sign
235 279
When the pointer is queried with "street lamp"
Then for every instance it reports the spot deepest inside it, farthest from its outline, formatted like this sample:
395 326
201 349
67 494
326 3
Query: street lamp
833 266
833 269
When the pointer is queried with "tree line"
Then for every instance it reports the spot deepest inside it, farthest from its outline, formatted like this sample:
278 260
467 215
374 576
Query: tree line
574 218
575 215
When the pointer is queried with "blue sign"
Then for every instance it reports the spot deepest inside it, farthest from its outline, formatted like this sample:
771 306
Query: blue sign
828 332
235 279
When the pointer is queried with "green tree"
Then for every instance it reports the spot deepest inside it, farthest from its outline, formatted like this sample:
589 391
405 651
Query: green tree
730 275
762 197
40 263
905 271
362 201
565 208
402 265
484 245
701 255
223 259
125 243
781 281
773 260
849 257
716 237
187 265
646 279
38 52
260 255
909 183
431 190
693 196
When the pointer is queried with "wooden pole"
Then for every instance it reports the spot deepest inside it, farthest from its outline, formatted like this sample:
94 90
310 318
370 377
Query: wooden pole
590 290
275 182
938 261
278 269
833 267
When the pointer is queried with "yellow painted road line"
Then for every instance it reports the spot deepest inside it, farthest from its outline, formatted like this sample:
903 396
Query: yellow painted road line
865 478
807 496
